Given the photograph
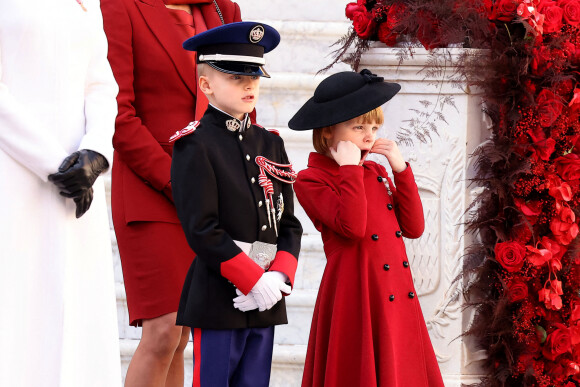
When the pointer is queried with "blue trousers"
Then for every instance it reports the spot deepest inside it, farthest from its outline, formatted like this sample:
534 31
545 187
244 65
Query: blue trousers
232 357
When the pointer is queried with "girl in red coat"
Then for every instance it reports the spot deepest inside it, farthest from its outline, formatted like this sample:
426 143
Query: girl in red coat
368 329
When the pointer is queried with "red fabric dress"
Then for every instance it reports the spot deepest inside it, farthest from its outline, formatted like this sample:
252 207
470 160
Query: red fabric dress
368 329
158 95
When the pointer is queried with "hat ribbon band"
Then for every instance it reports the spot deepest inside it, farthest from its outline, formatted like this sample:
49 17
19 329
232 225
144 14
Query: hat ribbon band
232 58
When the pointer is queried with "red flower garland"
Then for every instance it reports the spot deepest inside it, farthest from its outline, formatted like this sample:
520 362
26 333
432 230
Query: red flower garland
527 267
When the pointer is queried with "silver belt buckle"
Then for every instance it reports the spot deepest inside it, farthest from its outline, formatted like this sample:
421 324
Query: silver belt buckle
263 254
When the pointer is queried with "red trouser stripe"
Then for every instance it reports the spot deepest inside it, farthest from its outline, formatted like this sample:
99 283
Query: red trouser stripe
196 357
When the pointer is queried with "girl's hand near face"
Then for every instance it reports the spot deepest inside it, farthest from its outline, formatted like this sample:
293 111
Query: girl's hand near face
390 150
346 153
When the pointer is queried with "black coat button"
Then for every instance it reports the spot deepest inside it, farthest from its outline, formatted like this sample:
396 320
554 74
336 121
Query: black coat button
390 206
375 237
392 297
398 234
386 267
405 263
380 179
411 295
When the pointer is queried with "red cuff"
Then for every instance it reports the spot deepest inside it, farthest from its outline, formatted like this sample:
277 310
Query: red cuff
285 263
242 272
405 172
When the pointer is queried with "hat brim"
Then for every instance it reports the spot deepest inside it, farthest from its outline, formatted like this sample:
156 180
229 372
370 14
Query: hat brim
239 68
314 114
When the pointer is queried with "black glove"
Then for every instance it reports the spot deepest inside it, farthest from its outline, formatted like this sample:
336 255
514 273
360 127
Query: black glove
83 202
78 172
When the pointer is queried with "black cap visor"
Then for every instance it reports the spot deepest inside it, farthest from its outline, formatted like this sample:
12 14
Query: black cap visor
239 68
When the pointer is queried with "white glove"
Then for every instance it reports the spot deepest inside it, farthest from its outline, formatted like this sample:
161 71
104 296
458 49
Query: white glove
268 290
245 303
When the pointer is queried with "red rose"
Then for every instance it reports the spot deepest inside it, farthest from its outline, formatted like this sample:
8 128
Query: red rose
563 225
558 342
517 291
428 32
510 255
386 33
552 16
504 10
351 8
568 166
362 20
549 107
571 11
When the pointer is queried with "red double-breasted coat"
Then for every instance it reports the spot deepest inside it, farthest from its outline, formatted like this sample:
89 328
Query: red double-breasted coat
158 95
368 329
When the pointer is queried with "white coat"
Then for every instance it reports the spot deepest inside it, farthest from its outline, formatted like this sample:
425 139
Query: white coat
58 324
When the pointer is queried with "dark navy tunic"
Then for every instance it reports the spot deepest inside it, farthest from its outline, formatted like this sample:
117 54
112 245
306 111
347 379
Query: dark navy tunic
218 197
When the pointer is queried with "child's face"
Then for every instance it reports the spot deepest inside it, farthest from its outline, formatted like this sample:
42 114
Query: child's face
362 135
234 94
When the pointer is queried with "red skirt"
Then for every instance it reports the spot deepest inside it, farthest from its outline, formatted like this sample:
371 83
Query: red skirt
155 258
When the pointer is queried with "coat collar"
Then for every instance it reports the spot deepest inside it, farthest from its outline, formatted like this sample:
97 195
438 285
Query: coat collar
320 161
226 121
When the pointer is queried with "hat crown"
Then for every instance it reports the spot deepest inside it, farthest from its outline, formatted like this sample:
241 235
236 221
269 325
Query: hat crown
341 97
343 83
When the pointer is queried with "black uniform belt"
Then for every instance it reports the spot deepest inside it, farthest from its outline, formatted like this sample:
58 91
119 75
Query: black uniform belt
261 253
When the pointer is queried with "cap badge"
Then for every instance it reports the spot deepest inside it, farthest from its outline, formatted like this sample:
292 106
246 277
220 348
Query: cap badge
233 125
256 34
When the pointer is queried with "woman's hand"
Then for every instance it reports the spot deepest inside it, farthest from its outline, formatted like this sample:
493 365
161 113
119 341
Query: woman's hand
346 153
390 150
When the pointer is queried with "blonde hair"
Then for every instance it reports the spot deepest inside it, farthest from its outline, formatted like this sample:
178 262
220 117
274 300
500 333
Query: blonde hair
202 69
320 141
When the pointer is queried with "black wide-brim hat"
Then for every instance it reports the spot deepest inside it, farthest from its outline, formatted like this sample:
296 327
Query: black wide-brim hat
235 48
341 97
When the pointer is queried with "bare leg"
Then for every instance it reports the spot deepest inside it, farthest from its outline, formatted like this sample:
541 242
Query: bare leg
150 364
175 375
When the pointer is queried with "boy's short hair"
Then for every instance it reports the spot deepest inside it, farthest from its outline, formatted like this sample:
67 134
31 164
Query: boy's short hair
318 135
202 69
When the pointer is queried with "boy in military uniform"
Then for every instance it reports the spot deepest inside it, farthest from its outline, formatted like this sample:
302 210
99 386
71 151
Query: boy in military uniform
232 187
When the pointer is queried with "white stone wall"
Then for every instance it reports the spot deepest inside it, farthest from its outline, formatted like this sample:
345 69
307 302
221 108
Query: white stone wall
308 29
